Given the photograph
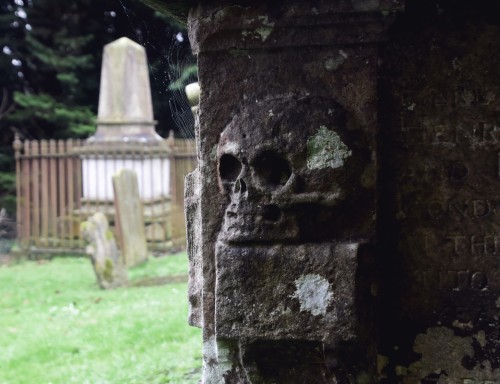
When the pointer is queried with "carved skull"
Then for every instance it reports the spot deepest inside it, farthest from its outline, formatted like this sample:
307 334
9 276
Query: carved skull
283 167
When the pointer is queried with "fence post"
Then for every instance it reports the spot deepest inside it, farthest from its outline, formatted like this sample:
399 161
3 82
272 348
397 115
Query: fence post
53 190
62 190
18 145
45 185
78 186
35 180
26 188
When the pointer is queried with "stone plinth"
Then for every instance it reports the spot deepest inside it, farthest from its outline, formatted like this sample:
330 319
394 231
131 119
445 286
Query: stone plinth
99 165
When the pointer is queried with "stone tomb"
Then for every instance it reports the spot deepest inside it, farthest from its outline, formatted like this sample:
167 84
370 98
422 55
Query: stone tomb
343 220
125 138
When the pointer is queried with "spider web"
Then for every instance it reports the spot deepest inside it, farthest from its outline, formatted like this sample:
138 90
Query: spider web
170 74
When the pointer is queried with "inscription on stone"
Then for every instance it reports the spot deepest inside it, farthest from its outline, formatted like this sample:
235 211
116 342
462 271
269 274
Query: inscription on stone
445 156
459 280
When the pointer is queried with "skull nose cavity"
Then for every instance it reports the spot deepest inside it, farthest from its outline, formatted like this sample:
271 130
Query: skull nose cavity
240 186
271 213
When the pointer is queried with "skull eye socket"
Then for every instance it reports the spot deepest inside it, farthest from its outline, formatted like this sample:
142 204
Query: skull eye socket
272 169
229 167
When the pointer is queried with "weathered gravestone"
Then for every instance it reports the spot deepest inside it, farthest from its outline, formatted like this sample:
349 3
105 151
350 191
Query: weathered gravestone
105 256
283 206
129 218
439 224
342 229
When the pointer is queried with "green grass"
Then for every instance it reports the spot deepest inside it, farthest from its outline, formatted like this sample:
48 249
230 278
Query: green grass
57 326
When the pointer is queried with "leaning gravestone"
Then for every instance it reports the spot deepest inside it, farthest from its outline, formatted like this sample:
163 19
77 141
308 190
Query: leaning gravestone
129 218
106 260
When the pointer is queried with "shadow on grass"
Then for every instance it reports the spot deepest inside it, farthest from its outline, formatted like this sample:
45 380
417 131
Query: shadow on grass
159 280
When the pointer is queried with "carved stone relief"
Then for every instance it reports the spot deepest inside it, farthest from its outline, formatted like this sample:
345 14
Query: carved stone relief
280 275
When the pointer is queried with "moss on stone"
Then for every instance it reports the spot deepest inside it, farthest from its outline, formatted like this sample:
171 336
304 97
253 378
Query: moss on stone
109 235
107 274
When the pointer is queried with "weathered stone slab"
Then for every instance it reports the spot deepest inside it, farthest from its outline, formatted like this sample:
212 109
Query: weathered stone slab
313 298
129 218
105 256
440 225
193 220
288 160
417 185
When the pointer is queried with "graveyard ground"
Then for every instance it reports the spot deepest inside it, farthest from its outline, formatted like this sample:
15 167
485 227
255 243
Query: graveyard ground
57 326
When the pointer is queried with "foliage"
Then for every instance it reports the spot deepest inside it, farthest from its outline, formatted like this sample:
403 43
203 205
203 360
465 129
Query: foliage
7 180
58 327
12 34
71 122
59 69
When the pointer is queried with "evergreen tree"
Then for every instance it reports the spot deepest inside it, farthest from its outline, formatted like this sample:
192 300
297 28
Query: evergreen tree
60 56
60 65
12 33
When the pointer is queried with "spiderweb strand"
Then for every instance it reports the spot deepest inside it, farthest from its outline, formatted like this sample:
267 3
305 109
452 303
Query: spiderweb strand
172 64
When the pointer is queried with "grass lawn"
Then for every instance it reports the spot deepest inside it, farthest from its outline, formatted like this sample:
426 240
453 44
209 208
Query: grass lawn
57 326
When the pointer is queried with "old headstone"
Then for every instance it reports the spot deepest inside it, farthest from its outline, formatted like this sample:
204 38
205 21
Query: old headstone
282 209
129 218
105 256
344 229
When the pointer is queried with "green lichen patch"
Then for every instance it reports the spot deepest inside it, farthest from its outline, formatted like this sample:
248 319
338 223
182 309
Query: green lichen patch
109 235
263 32
326 149
108 271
